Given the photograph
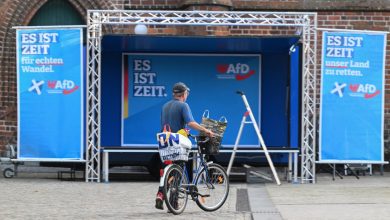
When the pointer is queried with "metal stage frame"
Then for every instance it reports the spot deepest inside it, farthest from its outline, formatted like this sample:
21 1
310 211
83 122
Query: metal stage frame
304 22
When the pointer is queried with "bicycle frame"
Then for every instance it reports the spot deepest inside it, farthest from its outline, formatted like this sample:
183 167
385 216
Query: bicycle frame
178 184
202 164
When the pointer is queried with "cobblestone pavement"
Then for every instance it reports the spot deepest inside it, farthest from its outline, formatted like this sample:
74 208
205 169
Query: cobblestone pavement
367 198
35 198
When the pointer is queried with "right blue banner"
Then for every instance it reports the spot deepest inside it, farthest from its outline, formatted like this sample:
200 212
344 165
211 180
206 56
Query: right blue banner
352 97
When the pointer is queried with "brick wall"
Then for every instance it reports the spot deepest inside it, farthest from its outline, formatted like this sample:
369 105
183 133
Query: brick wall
147 4
312 5
342 14
19 13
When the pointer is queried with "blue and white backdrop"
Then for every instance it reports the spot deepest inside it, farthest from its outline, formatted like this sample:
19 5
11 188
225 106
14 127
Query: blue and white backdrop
50 93
352 97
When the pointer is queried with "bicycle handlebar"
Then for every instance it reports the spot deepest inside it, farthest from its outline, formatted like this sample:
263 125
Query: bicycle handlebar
204 141
197 139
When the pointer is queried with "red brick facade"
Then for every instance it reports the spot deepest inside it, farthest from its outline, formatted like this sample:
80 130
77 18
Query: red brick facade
341 14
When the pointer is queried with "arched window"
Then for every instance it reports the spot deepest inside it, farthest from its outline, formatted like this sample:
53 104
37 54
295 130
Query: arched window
57 12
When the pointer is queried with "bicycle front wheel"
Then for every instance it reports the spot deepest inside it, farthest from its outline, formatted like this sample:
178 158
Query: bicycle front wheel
213 187
175 189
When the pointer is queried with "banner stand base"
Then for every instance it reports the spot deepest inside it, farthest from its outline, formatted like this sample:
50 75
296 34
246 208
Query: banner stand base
352 168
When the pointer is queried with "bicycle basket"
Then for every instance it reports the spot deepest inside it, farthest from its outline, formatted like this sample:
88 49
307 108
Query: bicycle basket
174 153
210 147
216 126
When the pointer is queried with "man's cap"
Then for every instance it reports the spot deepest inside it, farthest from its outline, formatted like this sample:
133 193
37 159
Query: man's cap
180 87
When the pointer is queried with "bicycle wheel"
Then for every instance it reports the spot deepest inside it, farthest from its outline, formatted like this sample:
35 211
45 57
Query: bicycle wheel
213 187
175 192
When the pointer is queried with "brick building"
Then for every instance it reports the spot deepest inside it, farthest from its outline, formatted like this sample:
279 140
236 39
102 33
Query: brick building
340 14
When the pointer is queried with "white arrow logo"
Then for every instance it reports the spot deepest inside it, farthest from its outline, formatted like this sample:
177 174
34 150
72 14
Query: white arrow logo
338 88
35 86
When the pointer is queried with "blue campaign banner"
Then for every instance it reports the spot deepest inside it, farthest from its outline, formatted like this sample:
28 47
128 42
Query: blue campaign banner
352 97
50 94
147 85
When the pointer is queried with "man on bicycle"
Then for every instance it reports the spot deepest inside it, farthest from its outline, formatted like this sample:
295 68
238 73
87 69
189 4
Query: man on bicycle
177 114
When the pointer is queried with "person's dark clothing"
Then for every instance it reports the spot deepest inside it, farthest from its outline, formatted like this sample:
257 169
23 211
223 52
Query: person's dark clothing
176 114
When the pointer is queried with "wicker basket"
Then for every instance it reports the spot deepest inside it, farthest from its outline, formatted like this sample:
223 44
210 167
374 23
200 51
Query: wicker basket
210 147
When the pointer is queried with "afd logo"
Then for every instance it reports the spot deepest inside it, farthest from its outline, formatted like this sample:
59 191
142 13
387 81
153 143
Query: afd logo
65 87
367 91
238 71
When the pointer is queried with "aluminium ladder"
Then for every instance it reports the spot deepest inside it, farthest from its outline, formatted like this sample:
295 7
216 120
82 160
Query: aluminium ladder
252 121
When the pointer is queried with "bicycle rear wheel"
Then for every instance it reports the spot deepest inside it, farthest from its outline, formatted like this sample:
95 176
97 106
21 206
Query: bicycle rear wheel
175 193
213 187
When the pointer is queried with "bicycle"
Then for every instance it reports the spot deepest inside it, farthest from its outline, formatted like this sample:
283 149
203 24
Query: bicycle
209 187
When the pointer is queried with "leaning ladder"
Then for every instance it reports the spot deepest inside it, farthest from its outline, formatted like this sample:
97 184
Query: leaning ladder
252 121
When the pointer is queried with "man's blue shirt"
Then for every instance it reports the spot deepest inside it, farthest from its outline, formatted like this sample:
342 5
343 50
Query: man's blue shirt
176 114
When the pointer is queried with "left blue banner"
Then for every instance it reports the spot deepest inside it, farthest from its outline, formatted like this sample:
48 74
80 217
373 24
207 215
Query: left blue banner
50 94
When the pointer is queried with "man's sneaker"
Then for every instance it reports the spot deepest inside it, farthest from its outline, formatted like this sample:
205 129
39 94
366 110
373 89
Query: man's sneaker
159 201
